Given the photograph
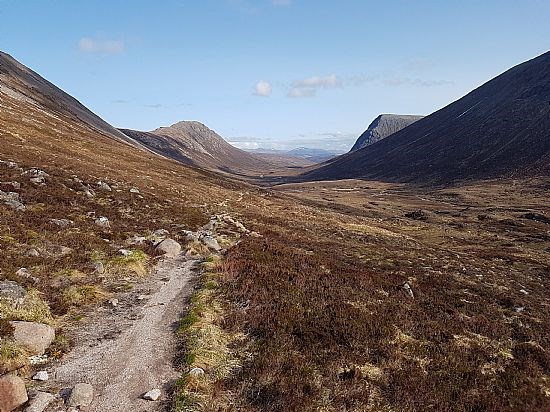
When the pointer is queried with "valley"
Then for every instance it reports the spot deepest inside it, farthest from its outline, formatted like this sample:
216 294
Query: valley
169 270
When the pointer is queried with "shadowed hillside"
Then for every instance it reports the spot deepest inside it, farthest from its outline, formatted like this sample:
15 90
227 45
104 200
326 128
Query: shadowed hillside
500 129
383 126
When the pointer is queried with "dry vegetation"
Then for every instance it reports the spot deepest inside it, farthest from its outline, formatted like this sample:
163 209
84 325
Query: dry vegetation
329 326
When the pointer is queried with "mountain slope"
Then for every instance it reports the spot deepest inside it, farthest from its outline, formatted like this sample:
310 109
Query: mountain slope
23 84
195 144
383 126
500 129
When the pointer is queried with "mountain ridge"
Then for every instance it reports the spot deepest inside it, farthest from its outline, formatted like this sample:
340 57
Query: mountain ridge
383 126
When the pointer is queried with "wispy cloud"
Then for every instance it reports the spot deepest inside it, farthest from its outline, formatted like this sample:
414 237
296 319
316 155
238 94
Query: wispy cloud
281 2
308 87
263 89
405 81
91 45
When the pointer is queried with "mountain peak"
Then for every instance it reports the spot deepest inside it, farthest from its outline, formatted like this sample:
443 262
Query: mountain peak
382 126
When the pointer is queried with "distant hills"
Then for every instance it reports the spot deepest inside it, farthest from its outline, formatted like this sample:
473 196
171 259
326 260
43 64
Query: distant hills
383 126
500 129
193 143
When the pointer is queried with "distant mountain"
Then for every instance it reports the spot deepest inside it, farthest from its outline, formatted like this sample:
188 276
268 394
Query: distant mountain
30 89
500 129
383 126
193 143
309 154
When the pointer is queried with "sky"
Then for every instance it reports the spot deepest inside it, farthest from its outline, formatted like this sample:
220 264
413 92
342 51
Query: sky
271 73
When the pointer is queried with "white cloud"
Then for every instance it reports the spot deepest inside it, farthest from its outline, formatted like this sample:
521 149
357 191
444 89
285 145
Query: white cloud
263 89
308 87
90 45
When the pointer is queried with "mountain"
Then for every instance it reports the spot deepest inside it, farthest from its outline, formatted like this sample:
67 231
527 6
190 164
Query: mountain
193 143
500 129
24 85
383 126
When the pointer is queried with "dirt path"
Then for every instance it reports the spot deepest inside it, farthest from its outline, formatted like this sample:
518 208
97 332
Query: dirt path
129 349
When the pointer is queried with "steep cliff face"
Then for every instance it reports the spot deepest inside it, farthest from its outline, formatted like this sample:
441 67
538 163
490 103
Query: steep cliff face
383 126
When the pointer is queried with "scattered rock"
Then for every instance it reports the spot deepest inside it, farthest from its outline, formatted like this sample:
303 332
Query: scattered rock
38 359
34 337
519 309
113 302
12 291
152 395
9 165
191 236
417 215
26 274
98 267
142 297
40 401
62 223
12 392
407 288
37 180
103 186
134 190
168 247
211 243
524 291
196 372
32 252
103 222
35 172
41 376
82 394
11 199
125 252
136 240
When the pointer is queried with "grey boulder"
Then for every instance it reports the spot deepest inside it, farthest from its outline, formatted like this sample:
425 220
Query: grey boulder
34 337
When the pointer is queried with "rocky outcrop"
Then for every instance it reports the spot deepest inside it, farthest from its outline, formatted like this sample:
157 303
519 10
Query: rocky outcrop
383 126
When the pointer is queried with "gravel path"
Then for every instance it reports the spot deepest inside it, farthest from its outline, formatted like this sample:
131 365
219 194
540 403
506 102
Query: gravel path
129 349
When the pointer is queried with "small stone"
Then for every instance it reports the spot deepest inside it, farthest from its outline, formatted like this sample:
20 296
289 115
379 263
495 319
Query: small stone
136 240
103 186
125 252
37 180
196 372
98 267
152 395
519 309
34 337
408 290
33 253
41 376
12 392
82 394
62 223
524 291
142 297
134 190
103 222
113 302
40 401
38 359
168 247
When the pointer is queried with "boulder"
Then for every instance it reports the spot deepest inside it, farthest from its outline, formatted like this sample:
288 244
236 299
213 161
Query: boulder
168 247
82 394
39 402
26 274
35 172
32 252
408 290
12 291
98 267
15 205
152 395
34 337
196 372
211 243
12 392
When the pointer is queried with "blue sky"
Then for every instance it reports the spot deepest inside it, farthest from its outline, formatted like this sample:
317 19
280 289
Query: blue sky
271 73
